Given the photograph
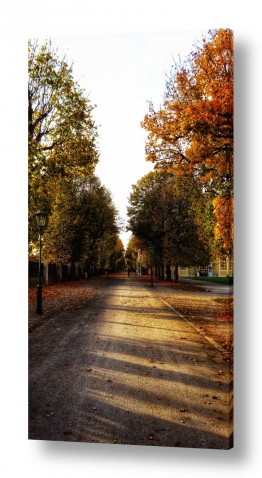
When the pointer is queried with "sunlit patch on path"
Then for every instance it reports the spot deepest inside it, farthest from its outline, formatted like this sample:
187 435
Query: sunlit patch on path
129 369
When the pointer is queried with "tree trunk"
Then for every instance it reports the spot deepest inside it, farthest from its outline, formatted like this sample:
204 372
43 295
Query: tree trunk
176 273
168 272
72 271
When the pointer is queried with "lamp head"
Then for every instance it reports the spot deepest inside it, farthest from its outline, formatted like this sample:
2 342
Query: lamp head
41 217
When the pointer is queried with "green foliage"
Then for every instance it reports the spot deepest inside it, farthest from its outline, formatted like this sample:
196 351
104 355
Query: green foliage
146 217
168 215
84 224
61 132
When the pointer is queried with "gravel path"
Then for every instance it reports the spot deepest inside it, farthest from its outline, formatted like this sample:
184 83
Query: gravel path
128 369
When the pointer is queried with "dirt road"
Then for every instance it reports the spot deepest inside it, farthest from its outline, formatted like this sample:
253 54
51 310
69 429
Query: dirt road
128 369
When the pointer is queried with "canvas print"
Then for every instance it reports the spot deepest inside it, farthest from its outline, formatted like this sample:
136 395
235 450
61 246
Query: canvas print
130 162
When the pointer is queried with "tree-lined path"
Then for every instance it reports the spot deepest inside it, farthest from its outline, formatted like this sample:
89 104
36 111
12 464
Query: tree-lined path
128 369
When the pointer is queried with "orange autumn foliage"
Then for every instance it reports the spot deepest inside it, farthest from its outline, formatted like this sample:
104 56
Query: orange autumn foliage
192 133
224 229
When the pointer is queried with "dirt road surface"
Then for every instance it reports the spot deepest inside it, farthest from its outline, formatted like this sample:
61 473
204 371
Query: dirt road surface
129 369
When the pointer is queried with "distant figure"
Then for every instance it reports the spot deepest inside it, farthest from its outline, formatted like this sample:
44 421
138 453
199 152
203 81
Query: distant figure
128 272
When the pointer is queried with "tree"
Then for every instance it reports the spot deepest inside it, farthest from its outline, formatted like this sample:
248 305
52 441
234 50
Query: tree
146 215
192 133
117 259
186 238
130 258
162 215
137 248
84 225
61 132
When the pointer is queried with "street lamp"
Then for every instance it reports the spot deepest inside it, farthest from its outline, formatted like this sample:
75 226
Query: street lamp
41 217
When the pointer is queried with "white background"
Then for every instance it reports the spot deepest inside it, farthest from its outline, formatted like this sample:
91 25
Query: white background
18 22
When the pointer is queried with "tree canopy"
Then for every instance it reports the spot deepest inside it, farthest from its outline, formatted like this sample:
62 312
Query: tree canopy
192 132
61 132
84 224
165 214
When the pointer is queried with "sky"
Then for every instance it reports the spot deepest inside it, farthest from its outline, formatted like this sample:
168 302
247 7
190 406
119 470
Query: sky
120 73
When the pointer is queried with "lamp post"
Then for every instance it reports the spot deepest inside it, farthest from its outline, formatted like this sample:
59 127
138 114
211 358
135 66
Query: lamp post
41 222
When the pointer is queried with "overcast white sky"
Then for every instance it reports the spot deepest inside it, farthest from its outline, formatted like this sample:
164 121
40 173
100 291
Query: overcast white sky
121 73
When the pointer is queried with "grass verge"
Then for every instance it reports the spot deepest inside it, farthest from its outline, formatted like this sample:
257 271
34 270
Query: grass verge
220 280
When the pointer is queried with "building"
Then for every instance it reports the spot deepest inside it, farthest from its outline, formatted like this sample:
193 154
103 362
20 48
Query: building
220 267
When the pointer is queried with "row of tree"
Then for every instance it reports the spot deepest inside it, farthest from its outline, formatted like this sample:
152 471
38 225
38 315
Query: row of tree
172 219
183 212
83 223
84 227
